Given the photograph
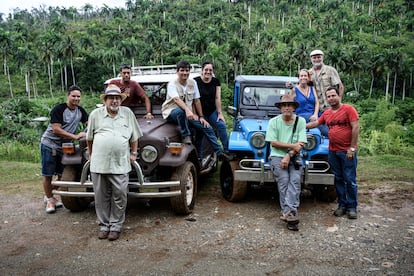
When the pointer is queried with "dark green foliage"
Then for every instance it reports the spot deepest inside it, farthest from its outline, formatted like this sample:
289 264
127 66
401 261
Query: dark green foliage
16 121
378 119
20 133
405 111
365 41
369 42
409 134
381 131
17 117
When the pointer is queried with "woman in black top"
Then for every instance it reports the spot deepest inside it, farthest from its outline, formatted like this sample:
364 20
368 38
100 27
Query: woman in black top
210 97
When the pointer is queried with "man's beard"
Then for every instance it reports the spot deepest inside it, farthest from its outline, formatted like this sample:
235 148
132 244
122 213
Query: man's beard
114 108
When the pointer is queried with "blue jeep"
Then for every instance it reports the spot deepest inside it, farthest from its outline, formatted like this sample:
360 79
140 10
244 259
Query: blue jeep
253 106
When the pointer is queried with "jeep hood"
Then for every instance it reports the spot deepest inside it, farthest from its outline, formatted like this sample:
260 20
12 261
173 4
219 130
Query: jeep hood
159 130
249 125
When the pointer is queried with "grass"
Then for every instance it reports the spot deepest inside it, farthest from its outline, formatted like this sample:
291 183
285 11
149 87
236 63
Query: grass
20 177
373 172
16 151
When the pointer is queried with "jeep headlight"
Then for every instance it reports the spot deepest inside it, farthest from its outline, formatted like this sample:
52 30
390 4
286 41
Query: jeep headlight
149 154
311 142
258 140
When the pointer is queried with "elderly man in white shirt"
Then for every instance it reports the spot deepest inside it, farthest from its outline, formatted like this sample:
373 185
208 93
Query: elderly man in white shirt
112 139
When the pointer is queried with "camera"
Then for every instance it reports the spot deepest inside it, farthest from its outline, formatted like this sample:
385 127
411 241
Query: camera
297 162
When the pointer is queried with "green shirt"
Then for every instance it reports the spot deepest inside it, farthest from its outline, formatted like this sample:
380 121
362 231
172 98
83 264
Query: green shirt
279 130
111 138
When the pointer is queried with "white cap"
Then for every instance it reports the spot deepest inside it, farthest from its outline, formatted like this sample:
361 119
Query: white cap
316 52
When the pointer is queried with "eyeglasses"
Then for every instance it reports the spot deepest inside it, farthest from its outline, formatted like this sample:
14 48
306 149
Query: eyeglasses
113 98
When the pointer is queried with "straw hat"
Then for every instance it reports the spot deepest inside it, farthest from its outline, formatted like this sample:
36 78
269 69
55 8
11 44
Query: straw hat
114 90
287 99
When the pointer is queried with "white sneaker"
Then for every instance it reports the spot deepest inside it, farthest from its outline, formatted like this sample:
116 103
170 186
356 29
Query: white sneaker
50 206
58 204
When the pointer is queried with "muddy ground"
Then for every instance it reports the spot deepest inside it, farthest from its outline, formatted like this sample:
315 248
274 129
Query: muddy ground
219 238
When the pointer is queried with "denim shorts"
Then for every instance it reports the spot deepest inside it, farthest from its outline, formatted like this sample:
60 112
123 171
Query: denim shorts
51 165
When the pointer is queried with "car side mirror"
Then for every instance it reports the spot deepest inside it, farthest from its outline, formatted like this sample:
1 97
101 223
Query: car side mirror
232 111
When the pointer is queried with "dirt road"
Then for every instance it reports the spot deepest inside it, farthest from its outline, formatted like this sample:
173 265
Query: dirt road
219 238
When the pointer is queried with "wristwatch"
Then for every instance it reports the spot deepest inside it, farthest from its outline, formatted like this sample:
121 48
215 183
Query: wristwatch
352 149
134 153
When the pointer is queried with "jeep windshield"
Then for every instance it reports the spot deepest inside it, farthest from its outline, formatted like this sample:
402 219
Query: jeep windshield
259 102
262 96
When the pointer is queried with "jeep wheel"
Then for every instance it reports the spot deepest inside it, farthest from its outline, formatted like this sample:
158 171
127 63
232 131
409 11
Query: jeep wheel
231 189
74 204
187 176
324 193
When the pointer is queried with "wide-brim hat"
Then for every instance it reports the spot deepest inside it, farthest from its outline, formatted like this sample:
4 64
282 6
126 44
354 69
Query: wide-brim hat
114 90
287 99
316 52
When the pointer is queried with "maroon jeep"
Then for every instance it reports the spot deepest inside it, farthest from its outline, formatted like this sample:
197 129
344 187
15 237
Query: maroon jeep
165 167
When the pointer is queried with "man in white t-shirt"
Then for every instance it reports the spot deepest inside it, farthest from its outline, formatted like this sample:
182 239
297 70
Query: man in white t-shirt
183 107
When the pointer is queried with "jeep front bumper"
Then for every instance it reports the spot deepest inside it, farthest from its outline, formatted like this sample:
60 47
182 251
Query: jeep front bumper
84 187
252 170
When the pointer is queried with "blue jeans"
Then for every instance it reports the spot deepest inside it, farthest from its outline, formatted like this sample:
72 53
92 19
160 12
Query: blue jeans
345 179
221 128
51 161
178 116
288 183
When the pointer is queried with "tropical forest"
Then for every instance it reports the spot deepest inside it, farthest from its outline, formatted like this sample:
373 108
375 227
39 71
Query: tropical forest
370 42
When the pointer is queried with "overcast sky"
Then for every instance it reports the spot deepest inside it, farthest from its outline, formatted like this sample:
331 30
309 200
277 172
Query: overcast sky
7 6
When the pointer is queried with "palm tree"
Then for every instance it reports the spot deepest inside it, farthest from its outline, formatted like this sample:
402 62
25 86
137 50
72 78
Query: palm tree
199 42
355 63
238 50
129 48
110 57
47 53
69 49
87 10
217 55
6 45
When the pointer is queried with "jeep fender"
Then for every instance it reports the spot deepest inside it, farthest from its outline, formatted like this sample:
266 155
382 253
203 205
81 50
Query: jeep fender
170 160
72 159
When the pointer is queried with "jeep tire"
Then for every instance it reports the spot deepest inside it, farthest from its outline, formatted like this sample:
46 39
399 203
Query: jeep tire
324 193
187 175
74 204
231 189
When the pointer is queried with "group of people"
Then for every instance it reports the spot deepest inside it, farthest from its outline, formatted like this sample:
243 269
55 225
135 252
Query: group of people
113 132
196 103
310 106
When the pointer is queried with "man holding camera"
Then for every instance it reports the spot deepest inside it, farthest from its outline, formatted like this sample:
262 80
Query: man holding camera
286 134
